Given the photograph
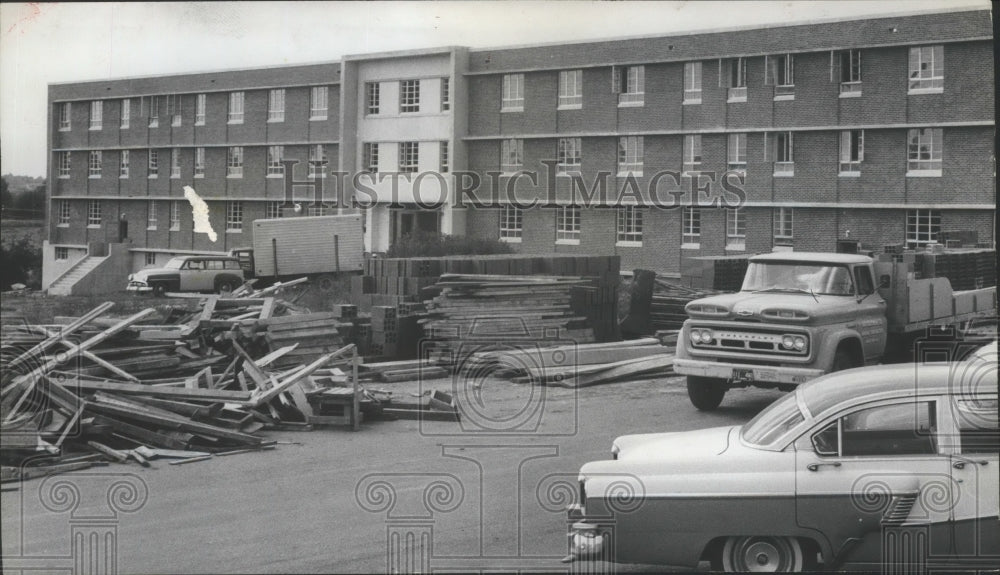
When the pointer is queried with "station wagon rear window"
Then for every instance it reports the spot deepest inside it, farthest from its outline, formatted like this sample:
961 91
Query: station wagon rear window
769 425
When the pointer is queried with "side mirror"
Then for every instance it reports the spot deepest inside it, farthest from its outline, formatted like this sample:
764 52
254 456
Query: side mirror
884 281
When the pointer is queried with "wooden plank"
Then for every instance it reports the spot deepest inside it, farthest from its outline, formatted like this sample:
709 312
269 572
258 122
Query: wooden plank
238 397
644 366
259 398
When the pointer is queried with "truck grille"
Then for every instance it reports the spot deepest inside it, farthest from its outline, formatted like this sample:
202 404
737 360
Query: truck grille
743 341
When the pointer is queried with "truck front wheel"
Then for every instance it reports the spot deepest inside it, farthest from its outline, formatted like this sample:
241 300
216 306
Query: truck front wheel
843 360
706 393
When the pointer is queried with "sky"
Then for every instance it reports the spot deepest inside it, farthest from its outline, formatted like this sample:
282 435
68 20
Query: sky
44 43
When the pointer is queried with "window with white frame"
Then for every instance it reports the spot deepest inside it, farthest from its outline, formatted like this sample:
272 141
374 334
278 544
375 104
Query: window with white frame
736 229
409 96
175 216
319 97
629 225
849 62
150 259
126 114
276 105
922 227
153 165
94 213
630 83
61 253
852 151
926 69
95 164
692 153
568 224
569 154
275 155
96 115
123 164
737 153
692 82
174 109
199 162
175 163
65 116
630 155
925 151
779 72
511 155
200 103
784 160
511 223
234 162
317 161
571 89
445 94
369 157
154 111
235 108
65 164
272 210
64 213
372 98
444 157
409 157
783 220
737 79
691 227
151 215
234 216
513 93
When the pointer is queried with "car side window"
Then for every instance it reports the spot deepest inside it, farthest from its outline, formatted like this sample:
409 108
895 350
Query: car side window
897 429
978 425
214 265
827 441
863 277
231 265
195 265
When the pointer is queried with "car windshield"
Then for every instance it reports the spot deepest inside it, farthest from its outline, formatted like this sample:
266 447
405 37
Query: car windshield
798 277
174 264
773 422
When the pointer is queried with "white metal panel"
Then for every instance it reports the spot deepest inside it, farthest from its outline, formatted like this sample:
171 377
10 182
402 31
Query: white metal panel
308 245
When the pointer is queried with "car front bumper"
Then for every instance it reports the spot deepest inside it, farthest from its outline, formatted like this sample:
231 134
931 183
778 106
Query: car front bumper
138 287
761 373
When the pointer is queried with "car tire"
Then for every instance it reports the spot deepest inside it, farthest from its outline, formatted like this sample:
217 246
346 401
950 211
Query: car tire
225 286
706 393
159 290
762 553
843 360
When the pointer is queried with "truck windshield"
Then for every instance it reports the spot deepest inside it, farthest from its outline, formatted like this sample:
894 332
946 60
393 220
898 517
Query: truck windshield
770 424
798 277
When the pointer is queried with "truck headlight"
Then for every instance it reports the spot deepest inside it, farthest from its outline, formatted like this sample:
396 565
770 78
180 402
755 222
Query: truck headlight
800 342
701 336
788 342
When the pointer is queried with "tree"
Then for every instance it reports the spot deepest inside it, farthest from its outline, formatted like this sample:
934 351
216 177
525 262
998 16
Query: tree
6 199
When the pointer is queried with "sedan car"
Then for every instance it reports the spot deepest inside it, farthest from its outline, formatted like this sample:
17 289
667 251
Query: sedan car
879 467
189 273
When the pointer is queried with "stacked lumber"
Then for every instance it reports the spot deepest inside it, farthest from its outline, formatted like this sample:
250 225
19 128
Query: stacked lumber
720 273
666 310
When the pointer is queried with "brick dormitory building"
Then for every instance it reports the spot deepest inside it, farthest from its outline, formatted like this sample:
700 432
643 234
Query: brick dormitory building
878 130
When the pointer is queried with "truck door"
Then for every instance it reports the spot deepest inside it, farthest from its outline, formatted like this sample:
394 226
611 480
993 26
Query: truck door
872 322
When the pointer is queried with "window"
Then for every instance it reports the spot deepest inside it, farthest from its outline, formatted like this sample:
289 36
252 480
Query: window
511 155
154 112
95 164
317 161
64 213
977 425
272 210
276 105
61 254
64 164
409 96
445 94
235 108
444 157
199 110
65 117
175 163
850 73
629 225
151 216
736 229
234 216
511 223
737 79
863 279
96 115
784 161
199 162
569 155
926 69
123 164
571 89
153 167
630 83
692 153
922 227
925 151
369 159
94 214
175 216
852 151
691 227
568 225
779 72
174 109
409 157
737 153
513 93
692 83
783 221
630 155
887 430
150 259
126 113
318 102
275 154
371 98
234 162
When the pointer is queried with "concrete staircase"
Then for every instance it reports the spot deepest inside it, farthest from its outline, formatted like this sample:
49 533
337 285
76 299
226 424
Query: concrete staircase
64 283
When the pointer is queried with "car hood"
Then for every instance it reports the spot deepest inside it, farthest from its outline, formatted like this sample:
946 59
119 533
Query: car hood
143 275
749 306
672 445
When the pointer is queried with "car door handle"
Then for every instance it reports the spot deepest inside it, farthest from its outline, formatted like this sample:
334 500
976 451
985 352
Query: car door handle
816 466
961 464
